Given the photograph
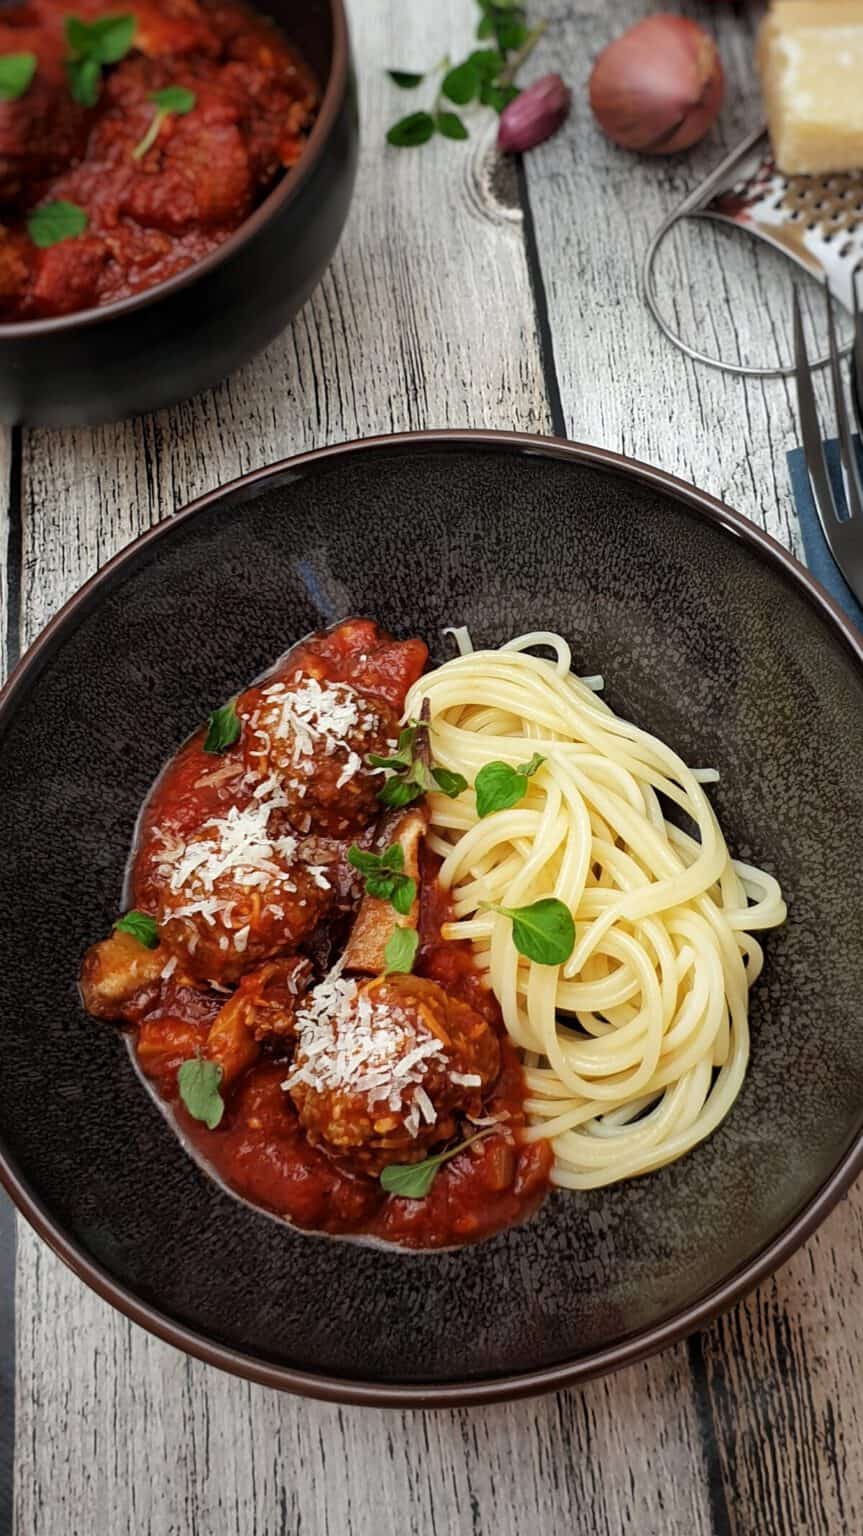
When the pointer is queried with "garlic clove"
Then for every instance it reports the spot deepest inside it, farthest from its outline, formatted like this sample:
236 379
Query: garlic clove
534 115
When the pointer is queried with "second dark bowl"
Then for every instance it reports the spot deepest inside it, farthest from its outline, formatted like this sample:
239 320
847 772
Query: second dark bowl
185 335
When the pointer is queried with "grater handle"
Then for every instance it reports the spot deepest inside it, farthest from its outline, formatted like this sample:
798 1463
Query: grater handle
694 206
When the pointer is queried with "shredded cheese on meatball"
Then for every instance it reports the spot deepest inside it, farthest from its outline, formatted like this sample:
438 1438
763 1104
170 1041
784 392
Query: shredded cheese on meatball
311 714
237 846
346 1041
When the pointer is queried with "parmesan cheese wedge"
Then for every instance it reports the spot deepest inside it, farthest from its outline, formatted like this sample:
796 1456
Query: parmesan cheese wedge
810 57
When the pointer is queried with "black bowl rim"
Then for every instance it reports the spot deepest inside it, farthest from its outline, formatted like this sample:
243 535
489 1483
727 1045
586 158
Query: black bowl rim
282 194
475 1391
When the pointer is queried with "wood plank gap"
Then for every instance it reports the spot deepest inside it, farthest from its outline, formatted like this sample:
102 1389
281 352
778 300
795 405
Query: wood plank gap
540 304
720 1514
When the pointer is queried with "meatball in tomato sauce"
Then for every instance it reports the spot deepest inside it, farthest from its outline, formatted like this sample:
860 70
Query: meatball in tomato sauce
383 1068
313 726
237 892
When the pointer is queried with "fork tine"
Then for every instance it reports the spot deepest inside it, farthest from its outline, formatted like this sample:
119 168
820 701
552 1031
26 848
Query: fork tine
810 431
853 486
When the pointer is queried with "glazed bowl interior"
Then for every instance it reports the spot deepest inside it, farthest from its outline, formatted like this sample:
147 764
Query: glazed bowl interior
705 633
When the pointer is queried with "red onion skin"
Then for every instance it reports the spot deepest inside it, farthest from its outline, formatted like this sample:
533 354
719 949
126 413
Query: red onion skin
659 87
534 115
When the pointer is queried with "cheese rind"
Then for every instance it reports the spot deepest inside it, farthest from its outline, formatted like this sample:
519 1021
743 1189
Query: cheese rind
810 57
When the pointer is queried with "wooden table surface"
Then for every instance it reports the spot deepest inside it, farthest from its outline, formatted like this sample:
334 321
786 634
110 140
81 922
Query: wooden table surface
464 293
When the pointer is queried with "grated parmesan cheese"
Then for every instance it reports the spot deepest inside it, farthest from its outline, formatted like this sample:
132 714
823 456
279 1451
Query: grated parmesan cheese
311 715
238 848
348 1042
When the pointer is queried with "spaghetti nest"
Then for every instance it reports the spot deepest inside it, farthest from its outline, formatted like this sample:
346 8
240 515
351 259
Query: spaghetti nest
635 1048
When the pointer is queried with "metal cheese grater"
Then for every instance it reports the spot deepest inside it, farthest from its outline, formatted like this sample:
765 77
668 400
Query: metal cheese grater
816 220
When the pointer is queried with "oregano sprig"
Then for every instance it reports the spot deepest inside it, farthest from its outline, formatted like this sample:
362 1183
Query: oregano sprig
486 76
414 1180
384 876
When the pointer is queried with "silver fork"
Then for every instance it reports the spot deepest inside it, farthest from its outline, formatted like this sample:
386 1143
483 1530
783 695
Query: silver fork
844 534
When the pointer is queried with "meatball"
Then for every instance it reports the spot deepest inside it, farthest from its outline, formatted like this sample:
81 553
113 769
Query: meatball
237 892
383 1068
313 737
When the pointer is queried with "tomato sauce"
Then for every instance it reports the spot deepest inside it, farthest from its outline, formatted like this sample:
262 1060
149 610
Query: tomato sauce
151 214
260 1149
261 1152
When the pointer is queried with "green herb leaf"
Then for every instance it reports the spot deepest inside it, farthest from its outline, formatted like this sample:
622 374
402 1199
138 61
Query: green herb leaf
223 728
94 43
485 27
414 1180
529 769
383 876
488 62
404 80
16 74
397 793
173 100
461 83
198 1081
141 926
85 80
53 222
510 34
450 125
448 783
497 96
544 931
401 949
404 895
403 789
498 786
411 131
403 755
107 39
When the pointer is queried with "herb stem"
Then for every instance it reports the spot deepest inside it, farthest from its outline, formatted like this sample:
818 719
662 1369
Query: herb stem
508 74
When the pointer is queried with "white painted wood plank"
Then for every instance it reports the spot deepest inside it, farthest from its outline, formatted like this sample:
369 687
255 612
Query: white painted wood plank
623 385
137 1438
426 318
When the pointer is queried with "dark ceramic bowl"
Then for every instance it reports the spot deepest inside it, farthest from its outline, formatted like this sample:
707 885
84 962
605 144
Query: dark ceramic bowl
185 335
706 632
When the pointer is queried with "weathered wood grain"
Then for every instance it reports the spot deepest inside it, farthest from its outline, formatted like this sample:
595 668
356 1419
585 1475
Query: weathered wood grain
426 318
139 1439
595 208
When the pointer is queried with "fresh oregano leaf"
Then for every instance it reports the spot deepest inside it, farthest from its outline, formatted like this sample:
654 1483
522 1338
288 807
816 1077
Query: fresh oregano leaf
448 783
544 931
16 74
198 1081
498 786
411 131
450 125
401 949
404 80
141 926
461 83
53 222
223 728
414 1180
